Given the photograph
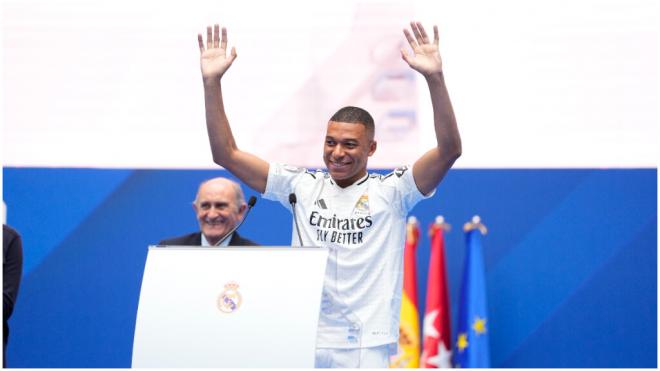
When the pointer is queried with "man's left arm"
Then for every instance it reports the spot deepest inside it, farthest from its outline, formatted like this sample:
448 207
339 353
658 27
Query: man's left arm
429 169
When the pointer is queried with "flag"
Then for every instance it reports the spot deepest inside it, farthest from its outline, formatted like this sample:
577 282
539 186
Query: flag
436 330
408 354
472 348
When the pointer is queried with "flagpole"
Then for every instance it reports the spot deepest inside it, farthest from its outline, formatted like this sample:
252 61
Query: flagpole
475 223
439 223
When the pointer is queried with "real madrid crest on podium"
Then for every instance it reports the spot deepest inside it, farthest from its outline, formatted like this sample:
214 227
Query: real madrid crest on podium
230 299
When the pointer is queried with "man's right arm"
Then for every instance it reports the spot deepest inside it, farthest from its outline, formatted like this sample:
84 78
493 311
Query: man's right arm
214 62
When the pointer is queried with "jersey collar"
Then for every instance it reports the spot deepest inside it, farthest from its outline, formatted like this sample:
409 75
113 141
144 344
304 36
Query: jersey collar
357 182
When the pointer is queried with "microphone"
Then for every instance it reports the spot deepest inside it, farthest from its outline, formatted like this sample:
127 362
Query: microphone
250 204
292 201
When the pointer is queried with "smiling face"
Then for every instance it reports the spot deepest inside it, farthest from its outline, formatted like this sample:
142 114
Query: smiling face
346 151
218 208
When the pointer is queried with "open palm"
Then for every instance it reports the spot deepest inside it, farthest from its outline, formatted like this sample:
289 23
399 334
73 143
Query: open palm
426 58
214 61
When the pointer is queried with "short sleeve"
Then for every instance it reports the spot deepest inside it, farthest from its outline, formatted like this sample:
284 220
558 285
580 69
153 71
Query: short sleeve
281 182
403 181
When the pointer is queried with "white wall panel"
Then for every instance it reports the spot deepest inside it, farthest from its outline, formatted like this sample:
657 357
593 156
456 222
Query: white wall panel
534 83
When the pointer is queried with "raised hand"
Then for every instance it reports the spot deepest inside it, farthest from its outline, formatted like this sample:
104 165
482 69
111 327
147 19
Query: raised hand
214 61
426 59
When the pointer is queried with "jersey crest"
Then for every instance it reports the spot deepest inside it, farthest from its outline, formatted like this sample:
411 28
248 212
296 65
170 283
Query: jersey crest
362 205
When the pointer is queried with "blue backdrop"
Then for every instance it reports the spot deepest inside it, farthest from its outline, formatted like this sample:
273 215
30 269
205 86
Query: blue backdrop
571 259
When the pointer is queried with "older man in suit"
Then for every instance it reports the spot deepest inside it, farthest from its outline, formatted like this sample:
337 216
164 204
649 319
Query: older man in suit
219 207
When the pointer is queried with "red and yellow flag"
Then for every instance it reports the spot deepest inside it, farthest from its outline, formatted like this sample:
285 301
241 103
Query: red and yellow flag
437 333
408 355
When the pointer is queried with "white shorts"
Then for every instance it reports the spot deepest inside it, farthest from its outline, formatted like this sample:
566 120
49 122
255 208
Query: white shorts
373 357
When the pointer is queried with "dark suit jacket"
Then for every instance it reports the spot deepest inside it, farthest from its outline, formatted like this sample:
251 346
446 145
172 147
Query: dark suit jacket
12 266
195 239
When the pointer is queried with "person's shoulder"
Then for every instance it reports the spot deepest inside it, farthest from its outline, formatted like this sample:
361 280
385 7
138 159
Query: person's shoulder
10 237
391 177
318 174
294 170
238 240
190 239
9 232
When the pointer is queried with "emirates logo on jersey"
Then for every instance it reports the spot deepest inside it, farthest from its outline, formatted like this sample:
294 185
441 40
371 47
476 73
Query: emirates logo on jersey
345 231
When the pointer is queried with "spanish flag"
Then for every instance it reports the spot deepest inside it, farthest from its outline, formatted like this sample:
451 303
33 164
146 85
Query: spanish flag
408 355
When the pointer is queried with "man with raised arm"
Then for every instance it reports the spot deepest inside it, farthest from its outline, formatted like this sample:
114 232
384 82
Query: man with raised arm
359 217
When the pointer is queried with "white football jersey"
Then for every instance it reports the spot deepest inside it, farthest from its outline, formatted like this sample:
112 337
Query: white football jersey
363 226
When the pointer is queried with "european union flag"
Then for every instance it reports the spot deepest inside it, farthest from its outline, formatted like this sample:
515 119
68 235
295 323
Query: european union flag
472 349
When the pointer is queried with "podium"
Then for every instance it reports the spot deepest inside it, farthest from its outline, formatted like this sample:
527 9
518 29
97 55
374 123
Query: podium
229 307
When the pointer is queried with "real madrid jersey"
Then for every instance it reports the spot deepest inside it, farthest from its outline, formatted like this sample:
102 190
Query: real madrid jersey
363 226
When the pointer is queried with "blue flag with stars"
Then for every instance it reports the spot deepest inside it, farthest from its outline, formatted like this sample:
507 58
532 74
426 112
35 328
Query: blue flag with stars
472 349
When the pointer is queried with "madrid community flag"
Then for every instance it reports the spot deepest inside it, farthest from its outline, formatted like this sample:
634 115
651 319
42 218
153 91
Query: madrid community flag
408 354
472 346
436 330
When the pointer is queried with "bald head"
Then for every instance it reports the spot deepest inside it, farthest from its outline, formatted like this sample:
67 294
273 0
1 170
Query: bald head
222 183
219 206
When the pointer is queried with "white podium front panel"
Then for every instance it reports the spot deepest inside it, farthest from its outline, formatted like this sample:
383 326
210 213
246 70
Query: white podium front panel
229 307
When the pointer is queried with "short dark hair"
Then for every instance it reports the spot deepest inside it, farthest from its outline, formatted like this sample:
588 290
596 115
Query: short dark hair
355 115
